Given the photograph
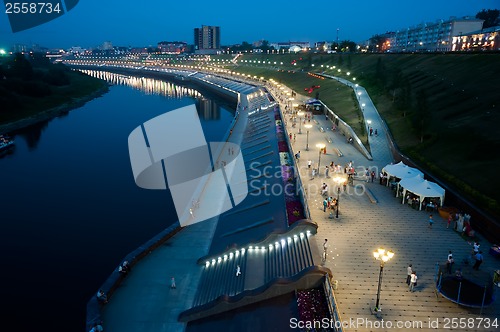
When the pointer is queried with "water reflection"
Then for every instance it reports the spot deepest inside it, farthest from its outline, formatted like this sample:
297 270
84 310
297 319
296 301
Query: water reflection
32 134
207 108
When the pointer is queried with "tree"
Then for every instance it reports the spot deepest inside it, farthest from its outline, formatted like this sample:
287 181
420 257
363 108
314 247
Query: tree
347 46
20 67
490 17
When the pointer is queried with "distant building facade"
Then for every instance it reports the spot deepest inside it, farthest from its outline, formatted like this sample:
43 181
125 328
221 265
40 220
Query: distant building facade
481 40
172 47
433 37
207 39
290 44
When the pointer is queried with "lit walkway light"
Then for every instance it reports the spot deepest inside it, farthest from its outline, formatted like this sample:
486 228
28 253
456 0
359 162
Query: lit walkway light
382 256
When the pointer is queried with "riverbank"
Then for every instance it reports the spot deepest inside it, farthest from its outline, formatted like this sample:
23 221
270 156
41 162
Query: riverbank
52 112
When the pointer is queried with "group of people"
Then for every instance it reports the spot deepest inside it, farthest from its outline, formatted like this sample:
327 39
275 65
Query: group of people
329 203
411 278
477 256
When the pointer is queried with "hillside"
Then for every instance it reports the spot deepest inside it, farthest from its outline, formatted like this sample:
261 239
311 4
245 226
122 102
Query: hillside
442 109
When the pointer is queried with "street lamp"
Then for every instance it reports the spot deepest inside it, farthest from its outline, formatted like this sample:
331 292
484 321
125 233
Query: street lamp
308 126
339 180
382 256
300 119
320 146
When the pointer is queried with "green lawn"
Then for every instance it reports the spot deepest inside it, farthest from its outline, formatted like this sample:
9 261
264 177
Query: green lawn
460 135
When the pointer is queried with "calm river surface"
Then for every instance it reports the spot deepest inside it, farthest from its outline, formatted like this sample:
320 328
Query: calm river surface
70 210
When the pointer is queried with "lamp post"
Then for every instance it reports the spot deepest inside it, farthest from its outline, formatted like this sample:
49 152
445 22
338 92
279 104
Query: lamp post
382 256
320 146
308 126
300 121
338 200
339 180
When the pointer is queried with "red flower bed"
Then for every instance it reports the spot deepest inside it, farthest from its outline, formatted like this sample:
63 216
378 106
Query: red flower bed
312 305
282 146
294 206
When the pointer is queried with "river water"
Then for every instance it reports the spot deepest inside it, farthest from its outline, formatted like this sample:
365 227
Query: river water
70 209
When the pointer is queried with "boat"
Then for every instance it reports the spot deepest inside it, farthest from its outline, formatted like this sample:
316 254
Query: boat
5 142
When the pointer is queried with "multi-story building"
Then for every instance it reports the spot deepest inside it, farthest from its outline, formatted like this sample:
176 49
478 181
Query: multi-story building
433 37
207 39
481 40
172 47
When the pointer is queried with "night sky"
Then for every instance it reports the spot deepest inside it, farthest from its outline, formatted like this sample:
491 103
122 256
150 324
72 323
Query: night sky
143 23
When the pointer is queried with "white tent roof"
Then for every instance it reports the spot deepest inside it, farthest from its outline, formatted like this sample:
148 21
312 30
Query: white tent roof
401 171
422 188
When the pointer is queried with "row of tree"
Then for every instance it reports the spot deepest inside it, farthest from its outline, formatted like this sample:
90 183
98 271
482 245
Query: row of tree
28 76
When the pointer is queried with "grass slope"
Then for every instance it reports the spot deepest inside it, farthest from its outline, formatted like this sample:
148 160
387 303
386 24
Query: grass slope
456 95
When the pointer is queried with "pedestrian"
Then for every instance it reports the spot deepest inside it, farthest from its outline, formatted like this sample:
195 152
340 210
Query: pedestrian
290 136
345 185
297 155
449 262
373 175
294 136
449 221
325 205
376 132
367 175
431 221
327 171
479 260
371 131
476 247
238 270
413 281
172 283
325 246
102 297
309 163
409 270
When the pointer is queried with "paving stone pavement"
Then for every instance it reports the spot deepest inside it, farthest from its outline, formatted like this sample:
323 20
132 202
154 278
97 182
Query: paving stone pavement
363 227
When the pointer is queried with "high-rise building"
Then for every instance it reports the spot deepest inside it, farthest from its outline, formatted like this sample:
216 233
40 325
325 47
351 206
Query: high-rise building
207 39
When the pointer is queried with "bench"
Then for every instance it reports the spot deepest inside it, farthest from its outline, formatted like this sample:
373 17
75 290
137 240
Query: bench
370 195
338 152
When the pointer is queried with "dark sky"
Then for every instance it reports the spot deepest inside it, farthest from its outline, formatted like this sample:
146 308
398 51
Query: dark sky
143 23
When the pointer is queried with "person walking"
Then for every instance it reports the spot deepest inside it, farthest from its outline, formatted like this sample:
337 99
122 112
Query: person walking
325 249
479 260
449 262
172 283
238 270
431 221
409 271
297 155
413 281
309 163
327 171
325 205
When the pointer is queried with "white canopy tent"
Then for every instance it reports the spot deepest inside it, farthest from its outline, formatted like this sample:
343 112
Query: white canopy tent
401 171
422 188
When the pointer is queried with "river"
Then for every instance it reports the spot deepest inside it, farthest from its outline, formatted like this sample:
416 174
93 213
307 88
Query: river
70 209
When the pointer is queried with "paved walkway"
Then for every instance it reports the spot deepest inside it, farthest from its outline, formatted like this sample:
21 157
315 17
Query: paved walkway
144 301
363 227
